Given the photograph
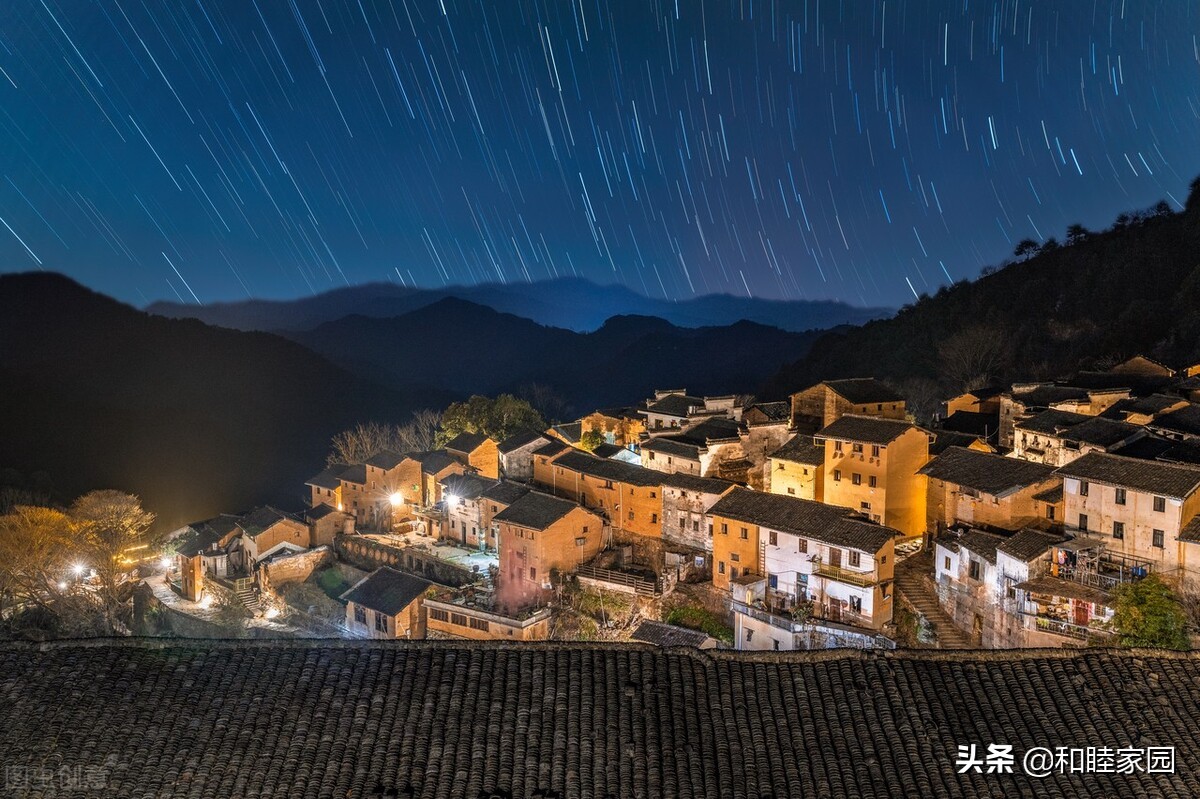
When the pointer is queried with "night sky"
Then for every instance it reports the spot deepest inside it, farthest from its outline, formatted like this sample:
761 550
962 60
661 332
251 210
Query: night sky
203 150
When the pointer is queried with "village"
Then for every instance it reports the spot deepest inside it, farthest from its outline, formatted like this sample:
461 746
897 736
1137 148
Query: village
830 519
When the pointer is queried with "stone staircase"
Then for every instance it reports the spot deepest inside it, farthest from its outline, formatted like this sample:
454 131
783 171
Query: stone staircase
917 590
249 598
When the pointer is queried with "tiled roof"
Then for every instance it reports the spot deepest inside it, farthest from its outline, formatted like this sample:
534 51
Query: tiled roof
386 460
977 423
669 445
801 449
506 492
617 471
996 475
607 450
863 390
945 439
1051 422
1186 421
261 519
1052 496
1028 543
535 510
691 482
551 448
866 429
803 517
1151 477
774 411
660 634
714 428
303 719
675 405
980 542
518 440
1068 589
205 534
319 511
1044 396
1148 406
571 432
355 473
436 461
386 590
328 478
466 442
1102 432
1190 534
466 486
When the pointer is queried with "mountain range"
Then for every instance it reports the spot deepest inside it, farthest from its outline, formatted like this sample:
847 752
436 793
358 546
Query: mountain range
568 303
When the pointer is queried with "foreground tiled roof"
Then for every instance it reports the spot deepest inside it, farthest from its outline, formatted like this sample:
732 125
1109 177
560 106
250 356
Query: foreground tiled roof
355 719
1151 477
995 475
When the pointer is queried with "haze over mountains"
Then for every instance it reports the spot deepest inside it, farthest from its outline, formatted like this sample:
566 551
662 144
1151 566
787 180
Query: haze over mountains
569 303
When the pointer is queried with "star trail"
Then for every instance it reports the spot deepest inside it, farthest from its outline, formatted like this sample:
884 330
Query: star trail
202 150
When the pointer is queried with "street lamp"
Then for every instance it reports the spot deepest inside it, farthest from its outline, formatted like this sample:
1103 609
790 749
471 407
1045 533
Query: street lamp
78 569
397 499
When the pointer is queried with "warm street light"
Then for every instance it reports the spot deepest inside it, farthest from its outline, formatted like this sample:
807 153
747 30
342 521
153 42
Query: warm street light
397 499
78 569
166 563
451 501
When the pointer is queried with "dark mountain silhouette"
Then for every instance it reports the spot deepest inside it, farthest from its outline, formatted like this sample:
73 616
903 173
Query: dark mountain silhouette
1132 289
463 347
570 303
195 419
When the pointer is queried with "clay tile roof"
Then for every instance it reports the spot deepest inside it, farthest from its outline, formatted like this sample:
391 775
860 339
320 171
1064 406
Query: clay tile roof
1186 421
1102 432
617 471
466 442
319 511
308 719
866 429
803 517
675 405
435 461
466 486
1053 495
863 390
981 543
386 460
356 473
1028 544
801 449
328 478
535 510
518 440
261 519
774 411
996 475
386 591
1051 422
1150 477
572 431
551 448
1068 589
691 482
505 492
660 634
668 445
1190 534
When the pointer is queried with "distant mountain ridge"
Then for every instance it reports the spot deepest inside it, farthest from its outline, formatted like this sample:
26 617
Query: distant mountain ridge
463 347
569 303
195 419
1102 297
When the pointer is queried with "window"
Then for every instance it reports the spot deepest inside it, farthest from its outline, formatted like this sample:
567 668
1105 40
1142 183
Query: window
856 479
1083 521
882 559
653 494
745 534
438 615
864 505
1158 539
779 468
721 567
873 481
532 573
1160 504
735 557
774 641
802 546
459 619
381 622
856 447
724 528
837 446
479 624
837 475
1120 496
654 518
855 558
874 450
749 634
1050 512
791 491
973 570
773 538
946 563
695 526
1083 488
651 456
360 615
630 515
1118 529
682 522
856 604
733 572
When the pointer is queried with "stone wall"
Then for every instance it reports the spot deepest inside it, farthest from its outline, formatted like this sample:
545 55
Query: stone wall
295 568
364 553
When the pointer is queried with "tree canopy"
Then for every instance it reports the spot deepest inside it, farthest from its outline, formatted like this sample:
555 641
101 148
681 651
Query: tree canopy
497 418
1148 614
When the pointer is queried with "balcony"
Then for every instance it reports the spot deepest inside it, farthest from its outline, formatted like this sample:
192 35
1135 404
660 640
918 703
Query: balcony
820 613
1062 627
860 579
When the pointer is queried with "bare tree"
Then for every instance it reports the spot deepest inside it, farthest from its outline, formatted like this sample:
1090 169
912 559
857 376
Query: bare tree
110 526
970 356
419 434
35 559
360 443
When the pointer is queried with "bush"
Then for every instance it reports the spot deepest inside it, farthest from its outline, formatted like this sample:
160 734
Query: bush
707 622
